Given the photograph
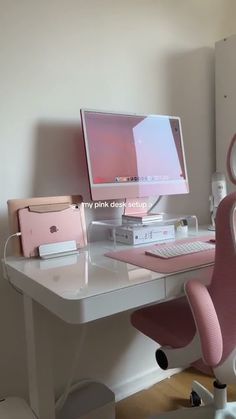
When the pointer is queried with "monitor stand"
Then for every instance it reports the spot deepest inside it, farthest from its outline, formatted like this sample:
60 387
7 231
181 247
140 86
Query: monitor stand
139 209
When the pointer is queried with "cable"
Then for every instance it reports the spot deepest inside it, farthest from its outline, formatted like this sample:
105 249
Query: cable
154 204
5 260
6 244
70 388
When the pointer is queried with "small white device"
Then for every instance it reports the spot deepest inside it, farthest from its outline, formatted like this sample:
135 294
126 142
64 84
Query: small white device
141 234
174 250
218 185
53 250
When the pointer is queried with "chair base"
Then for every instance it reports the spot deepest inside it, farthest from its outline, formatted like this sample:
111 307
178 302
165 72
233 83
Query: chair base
214 406
202 412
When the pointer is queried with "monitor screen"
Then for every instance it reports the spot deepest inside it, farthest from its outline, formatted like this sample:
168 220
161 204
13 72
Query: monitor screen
132 156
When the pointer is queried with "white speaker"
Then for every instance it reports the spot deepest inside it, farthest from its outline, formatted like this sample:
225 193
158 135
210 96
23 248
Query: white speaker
219 192
218 188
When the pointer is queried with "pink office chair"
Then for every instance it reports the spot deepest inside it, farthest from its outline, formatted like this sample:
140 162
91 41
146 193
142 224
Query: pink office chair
200 329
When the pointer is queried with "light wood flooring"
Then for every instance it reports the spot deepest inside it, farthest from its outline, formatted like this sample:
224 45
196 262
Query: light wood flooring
167 395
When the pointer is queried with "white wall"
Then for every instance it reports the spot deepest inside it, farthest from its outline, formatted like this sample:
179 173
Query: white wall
131 55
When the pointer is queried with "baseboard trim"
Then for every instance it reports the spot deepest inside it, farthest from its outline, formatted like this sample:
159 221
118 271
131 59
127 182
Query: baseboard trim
142 382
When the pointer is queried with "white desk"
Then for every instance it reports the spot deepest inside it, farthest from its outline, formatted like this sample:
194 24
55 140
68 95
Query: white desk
79 289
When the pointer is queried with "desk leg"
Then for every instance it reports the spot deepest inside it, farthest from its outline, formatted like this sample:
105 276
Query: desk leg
40 377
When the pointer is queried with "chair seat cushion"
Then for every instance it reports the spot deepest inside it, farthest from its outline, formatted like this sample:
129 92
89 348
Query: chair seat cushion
170 323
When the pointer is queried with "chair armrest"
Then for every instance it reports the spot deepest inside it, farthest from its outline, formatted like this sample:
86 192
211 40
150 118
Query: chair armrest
206 321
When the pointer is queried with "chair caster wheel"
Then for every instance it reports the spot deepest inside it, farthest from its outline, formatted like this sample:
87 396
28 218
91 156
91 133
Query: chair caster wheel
195 400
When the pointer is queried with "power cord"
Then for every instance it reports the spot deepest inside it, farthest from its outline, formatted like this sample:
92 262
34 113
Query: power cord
70 388
5 260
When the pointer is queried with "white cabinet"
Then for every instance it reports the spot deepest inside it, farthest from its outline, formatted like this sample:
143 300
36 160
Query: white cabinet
225 100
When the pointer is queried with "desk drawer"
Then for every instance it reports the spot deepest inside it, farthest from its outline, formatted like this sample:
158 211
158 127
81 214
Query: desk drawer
120 300
175 283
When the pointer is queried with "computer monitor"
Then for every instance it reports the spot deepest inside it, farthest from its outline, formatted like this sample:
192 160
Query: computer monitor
133 156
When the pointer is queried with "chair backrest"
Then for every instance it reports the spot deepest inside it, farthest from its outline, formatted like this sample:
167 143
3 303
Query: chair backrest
15 204
223 284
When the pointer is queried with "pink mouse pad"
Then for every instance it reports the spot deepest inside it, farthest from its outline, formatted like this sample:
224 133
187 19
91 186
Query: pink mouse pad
136 256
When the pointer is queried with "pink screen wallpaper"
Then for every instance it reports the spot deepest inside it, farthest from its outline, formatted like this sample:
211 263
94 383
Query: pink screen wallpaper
124 147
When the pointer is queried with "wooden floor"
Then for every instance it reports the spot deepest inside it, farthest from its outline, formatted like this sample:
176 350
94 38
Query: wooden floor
167 395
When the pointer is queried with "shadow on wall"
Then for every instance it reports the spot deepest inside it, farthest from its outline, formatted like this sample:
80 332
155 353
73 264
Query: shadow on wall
189 91
60 165
4 231
101 358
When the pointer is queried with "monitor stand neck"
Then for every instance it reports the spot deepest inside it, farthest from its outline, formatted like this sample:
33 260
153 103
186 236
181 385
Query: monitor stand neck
140 206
